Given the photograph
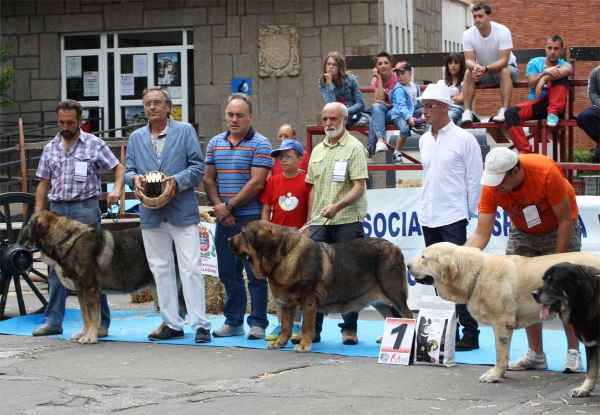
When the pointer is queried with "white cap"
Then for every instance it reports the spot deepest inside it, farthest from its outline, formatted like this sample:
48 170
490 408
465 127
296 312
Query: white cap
437 93
497 163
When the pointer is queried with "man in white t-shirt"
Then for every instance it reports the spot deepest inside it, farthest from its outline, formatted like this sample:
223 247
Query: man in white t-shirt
489 58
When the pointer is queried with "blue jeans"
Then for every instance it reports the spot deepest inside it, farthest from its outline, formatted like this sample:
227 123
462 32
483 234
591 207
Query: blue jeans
380 117
230 273
457 234
403 126
353 117
332 234
86 212
589 121
455 113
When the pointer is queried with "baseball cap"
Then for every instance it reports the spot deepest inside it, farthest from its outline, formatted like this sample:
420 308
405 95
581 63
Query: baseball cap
403 66
497 163
437 93
288 144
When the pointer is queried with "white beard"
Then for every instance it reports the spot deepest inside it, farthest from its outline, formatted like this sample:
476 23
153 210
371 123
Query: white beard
333 131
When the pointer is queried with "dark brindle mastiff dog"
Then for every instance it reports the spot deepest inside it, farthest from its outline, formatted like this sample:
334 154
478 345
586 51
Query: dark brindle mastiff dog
91 261
574 292
342 277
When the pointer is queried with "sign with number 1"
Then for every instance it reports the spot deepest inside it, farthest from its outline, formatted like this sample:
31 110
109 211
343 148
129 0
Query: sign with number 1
397 341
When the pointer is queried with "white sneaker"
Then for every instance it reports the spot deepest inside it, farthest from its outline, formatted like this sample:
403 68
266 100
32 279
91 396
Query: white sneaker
467 117
256 333
530 360
380 146
573 363
499 117
397 158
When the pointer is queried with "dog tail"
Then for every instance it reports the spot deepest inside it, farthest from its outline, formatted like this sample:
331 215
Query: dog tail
398 290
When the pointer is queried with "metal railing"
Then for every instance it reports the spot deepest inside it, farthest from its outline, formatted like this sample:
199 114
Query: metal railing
43 130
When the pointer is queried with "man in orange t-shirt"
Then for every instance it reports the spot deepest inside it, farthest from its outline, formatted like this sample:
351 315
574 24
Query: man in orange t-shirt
541 205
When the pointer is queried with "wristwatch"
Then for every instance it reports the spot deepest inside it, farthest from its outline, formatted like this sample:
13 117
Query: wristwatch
228 206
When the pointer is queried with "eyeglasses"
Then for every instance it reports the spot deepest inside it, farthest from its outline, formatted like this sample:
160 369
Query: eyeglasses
429 106
286 157
157 103
332 64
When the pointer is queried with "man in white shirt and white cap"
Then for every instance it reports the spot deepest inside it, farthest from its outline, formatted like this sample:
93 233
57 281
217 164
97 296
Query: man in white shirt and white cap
452 169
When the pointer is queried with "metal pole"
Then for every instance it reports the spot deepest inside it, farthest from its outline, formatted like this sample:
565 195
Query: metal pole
22 155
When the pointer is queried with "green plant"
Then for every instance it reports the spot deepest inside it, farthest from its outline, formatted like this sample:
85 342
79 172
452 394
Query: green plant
583 156
7 75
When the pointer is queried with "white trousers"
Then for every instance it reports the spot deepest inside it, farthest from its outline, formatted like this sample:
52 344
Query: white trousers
158 243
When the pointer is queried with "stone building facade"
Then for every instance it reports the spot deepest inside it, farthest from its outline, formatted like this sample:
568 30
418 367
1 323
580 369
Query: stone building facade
225 36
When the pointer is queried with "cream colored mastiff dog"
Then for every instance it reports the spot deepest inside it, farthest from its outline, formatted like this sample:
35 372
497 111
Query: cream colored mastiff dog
496 288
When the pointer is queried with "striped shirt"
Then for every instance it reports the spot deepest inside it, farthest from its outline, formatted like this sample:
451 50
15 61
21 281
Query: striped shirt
234 166
59 166
320 174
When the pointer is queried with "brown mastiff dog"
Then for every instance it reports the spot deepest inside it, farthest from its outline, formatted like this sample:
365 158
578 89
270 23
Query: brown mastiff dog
342 277
90 262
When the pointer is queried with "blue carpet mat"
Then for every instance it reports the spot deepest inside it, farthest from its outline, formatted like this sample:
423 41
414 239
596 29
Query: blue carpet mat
134 326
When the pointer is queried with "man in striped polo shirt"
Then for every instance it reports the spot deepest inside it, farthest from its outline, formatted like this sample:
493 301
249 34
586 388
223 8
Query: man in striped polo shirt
240 159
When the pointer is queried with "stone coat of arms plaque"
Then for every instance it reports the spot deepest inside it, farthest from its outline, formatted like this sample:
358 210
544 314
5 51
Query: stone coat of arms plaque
278 51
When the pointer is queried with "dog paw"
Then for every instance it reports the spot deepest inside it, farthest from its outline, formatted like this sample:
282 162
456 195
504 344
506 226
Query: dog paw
579 393
303 348
88 340
491 376
77 336
275 344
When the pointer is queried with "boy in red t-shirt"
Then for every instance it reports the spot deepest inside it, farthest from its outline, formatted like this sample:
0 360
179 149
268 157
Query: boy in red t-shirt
285 202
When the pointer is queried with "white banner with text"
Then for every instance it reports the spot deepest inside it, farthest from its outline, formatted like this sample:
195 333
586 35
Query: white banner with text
392 215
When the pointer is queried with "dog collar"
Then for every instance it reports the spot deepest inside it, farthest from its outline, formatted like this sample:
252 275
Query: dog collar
475 282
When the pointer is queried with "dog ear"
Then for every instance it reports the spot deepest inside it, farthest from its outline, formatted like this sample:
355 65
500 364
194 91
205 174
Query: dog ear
449 268
265 245
37 230
586 291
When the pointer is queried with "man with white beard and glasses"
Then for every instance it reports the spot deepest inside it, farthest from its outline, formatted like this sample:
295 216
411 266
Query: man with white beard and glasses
337 171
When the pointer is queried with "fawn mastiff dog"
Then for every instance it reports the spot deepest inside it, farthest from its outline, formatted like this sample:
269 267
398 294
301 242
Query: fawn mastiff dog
496 288
91 261
342 277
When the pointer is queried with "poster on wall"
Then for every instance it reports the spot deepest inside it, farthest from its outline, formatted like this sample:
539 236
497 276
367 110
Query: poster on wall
74 88
135 115
127 85
175 92
140 65
176 113
90 84
73 66
168 69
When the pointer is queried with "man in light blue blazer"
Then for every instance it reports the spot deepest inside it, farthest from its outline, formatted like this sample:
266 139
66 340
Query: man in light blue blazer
172 148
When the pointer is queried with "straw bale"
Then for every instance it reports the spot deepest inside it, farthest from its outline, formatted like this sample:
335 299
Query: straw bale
409 183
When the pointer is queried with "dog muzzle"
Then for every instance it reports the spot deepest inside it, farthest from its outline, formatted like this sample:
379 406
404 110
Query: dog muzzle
236 253
426 280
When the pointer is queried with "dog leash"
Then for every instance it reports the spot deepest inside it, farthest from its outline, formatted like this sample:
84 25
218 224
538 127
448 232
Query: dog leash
302 229
113 216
